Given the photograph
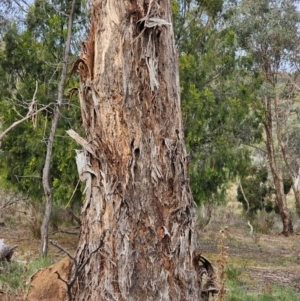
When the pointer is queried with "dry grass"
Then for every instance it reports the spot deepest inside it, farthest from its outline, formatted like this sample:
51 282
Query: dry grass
255 262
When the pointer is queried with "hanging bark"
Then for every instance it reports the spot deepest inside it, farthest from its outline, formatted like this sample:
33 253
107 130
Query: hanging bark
133 161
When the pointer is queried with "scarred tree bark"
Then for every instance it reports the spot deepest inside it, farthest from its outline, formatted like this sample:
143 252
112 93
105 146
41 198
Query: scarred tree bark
134 162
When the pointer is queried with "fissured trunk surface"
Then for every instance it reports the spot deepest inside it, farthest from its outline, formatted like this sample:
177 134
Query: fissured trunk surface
137 182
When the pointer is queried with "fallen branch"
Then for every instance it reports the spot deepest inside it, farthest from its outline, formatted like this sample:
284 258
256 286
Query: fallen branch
8 203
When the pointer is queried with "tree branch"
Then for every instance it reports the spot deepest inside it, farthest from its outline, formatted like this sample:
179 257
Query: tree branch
22 120
244 196
256 147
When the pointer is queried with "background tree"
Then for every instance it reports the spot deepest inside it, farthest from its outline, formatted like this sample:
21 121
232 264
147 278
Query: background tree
254 191
54 124
217 98
267 31
216 103
289 119
31 66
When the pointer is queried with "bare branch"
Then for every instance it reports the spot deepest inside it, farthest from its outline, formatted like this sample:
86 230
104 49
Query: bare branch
60 278
48 158
99 246
55 244
256 147
69 232
72 198
292 81
22 120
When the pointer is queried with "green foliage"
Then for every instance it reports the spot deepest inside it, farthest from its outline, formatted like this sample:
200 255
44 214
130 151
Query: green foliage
217 98
267 29
30 65
287 184
256 189
11 277
39 263
233 273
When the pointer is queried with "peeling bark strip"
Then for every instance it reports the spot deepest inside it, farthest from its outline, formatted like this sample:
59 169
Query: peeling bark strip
136 176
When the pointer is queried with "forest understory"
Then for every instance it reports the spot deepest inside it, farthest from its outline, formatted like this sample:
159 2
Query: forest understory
260 265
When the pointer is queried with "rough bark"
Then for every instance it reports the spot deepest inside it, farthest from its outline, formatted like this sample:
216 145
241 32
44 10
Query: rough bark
47 166
134 162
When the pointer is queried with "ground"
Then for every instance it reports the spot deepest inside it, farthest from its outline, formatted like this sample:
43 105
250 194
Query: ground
273 260
19 225
262 260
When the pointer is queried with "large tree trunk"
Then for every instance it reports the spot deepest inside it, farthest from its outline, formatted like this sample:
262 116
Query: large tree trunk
134 161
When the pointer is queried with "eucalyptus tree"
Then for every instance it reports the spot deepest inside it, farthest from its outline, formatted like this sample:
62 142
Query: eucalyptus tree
268 32
138 238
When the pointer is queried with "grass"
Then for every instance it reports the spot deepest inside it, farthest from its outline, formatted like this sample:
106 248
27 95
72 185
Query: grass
241 282
237 283
15 275
237 292
11 277
39 264
234 272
